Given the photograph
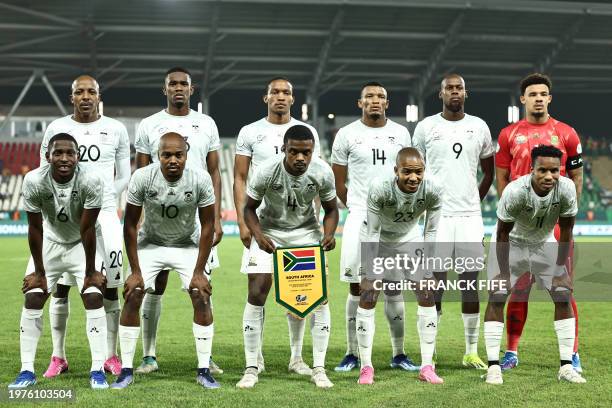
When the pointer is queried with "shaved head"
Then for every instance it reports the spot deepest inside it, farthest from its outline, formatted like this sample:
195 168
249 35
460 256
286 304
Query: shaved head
171 137
85 78
449 76
408 154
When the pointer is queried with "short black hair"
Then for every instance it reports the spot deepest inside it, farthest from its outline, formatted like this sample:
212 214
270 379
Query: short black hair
277 78
449 76
535 79
61 136
371 83
178 69
545 151
298 132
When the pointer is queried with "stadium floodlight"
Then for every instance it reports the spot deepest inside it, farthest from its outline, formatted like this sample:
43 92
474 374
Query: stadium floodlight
412 113
199 107
331 116
304 111
101 108
513 114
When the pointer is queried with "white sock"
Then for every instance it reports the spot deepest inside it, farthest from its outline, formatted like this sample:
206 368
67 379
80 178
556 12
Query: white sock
320 325
427 328
471 327
296 335
365 334
113 312
31 328
493 332
59 311
96 334
203 341
352 303
566 333
149 320
394 310
128 337
252 321
260 356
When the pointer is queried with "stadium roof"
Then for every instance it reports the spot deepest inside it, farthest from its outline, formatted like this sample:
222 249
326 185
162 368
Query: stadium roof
321 45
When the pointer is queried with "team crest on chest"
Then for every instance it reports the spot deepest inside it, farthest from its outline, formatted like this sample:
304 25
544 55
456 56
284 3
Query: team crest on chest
277 187
74 195
554 140
260 138
195 127
420 202
151 194
162 130
188 196
310 187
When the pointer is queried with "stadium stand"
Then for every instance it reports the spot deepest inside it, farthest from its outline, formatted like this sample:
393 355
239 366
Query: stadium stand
17 158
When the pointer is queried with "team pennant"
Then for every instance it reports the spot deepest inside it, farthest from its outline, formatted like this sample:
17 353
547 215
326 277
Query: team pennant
299 278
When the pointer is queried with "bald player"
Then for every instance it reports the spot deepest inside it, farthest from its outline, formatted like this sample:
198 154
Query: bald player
171 195
104 148
395 204
202 137
454 144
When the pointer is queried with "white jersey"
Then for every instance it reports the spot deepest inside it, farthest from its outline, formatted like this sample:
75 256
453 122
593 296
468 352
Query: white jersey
288 200
367 152
534 217
170 208
262 140
199 131
102 145
61 205
397 213
452 151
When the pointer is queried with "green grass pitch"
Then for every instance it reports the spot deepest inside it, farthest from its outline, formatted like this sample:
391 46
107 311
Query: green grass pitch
533 383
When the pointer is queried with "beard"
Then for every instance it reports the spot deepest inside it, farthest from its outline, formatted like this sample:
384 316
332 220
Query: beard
538 114
178 104
454 107
375 115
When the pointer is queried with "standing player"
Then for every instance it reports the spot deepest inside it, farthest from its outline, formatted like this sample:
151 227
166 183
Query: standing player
361 151
104 148
256 143
453 143
288 186
63 202
395 204
202 138
513 160
169 239
527 213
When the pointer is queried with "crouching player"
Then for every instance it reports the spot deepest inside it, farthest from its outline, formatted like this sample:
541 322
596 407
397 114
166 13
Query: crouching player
287 184
168 239
63 203
527 213
394 207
